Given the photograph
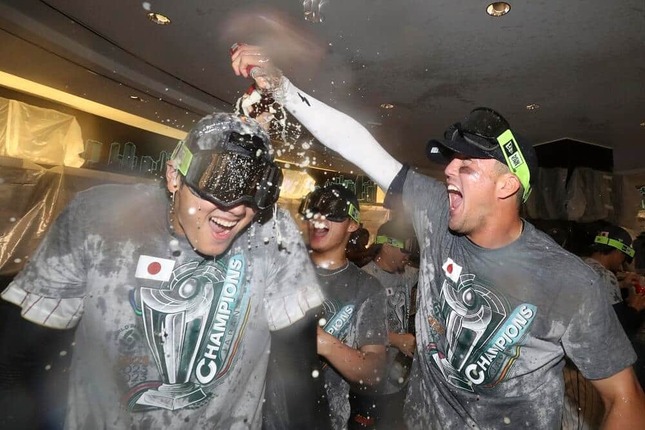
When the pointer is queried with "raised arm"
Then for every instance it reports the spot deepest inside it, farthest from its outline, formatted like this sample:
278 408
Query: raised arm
332 128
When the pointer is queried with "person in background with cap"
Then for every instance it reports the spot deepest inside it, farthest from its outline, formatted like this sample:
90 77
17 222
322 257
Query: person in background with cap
499 302
353 336
382 406
179 294
610 249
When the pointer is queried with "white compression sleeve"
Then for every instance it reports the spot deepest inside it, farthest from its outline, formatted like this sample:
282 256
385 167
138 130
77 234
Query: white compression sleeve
342 134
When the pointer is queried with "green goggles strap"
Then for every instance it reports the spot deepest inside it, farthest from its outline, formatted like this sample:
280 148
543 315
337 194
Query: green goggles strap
604 240
354 213
390 241
515 160
183 157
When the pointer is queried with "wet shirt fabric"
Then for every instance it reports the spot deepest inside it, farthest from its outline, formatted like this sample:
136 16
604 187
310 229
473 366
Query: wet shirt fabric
165 337
354 308
609 281
493 325
398 292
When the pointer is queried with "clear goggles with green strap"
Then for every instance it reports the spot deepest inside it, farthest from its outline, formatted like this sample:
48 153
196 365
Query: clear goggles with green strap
408 246
489 131
626 249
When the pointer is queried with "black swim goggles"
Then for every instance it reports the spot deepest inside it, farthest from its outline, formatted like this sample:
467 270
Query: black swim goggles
240 171
330 203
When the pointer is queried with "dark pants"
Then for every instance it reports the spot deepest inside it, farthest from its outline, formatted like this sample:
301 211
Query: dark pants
371 411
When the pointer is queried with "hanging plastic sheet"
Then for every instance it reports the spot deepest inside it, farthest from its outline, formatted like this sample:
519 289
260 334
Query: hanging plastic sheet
584 195
43 136
31 197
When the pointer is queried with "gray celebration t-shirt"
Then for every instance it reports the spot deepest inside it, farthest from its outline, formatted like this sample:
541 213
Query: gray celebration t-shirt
354 308
165 337
609 280
398 291
493 325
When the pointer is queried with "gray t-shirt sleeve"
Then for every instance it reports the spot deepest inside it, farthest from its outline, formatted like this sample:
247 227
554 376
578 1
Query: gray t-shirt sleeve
426 202
371 319
292 288
594 339
57 268
51 287
608 281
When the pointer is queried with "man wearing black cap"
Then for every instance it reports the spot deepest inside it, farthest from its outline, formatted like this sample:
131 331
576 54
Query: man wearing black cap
353 337
499 303
179 294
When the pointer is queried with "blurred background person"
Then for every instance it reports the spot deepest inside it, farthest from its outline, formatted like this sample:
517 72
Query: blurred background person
609 253
382 406
353 335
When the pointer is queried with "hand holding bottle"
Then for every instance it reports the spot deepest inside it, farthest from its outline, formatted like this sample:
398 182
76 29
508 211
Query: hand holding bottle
251 61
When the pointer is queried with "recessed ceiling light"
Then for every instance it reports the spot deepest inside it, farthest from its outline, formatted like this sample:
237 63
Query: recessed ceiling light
498 8
532 106
158 18
387 106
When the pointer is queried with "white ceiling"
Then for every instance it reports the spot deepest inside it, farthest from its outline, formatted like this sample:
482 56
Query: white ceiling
581 61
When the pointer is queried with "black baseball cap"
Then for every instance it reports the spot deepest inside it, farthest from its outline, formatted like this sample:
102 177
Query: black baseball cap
227 159
484 133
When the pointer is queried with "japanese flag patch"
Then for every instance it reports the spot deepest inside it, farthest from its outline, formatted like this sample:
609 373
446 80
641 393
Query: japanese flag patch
157 269
452 270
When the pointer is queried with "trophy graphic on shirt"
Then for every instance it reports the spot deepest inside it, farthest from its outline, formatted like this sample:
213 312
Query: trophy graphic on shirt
176 322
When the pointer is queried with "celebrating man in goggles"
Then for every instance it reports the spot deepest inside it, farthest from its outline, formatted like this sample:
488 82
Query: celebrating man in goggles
499 303
179 295
352 340
331 202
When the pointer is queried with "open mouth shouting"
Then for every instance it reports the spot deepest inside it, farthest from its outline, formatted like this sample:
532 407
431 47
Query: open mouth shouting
455 196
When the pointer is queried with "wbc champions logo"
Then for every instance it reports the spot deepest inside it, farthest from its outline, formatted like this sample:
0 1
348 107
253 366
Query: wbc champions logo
481 336
191 327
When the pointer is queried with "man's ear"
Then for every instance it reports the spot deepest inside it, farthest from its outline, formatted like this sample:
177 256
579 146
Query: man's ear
353 226
507 185
172 177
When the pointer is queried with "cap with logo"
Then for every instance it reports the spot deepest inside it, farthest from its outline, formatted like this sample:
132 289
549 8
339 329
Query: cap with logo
484 133
227 159
333 201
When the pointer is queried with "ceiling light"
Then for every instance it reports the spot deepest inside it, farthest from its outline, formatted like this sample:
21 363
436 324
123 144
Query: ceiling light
498 8
532 106
158 18
137 98
387 106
